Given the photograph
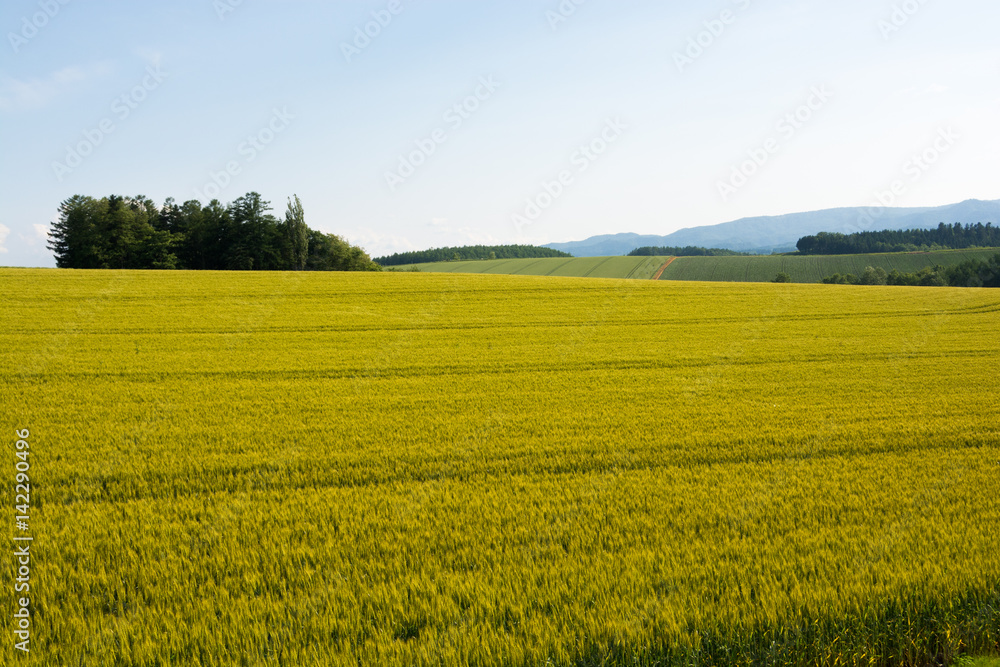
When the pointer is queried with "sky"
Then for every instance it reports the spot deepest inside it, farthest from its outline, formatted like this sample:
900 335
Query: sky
410 124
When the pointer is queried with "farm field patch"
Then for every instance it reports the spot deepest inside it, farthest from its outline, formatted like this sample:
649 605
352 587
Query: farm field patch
642 268
755 268
812 268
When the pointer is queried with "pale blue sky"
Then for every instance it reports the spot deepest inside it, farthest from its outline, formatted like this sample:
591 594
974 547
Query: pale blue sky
197 86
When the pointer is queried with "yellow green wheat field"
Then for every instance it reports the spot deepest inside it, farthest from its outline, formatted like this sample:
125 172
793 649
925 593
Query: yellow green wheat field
410 469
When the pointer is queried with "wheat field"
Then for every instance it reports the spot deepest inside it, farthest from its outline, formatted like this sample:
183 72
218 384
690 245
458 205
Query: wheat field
415 469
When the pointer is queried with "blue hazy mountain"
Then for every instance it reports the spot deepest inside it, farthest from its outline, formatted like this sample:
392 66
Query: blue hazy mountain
780 233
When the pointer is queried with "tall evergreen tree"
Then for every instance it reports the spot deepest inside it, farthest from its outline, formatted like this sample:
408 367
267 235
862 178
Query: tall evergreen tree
260 240
221 235
75 239
296 236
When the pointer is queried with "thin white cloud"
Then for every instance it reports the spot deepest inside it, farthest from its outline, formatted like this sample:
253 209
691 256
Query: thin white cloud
377 244
29 94
41 235
461 235
150 56
4 231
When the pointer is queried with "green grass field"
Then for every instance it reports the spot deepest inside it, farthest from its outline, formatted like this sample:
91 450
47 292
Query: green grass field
763 268
427 469
979 662
641 268
812 268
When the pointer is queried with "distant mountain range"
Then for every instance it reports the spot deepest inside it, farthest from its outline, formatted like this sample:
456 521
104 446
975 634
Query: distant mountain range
780 233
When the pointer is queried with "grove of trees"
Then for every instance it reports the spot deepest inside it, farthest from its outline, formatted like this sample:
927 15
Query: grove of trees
971 273
686 251
117 232
469 253
944 236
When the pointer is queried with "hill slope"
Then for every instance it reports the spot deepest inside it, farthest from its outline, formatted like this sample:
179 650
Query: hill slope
811 268
641 268
762 268
762 234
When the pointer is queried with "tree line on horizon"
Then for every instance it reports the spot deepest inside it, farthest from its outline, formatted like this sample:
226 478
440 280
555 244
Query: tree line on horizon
117 232
943 237
970 273
686 251
469 253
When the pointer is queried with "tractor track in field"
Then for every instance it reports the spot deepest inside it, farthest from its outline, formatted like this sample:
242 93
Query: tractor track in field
664 268
597 266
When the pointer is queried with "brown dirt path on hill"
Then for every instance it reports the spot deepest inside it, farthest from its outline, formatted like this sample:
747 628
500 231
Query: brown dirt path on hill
664 268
